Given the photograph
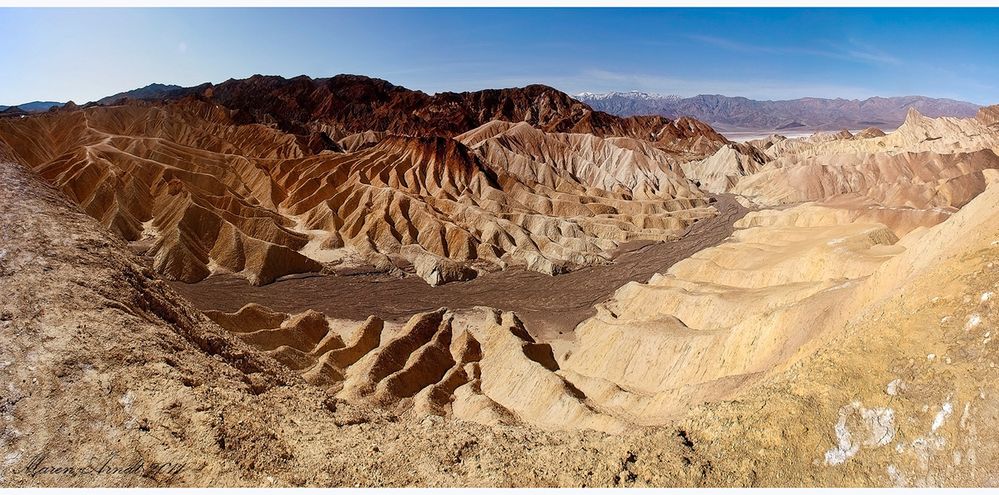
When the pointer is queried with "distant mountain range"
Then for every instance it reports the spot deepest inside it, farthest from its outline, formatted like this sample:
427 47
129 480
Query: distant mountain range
630 103
738 113
153 91
33 106
726 113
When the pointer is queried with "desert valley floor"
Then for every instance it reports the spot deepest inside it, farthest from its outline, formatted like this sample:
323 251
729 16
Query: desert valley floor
553 305
315 282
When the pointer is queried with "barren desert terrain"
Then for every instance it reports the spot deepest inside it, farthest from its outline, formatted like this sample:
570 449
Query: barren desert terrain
342 282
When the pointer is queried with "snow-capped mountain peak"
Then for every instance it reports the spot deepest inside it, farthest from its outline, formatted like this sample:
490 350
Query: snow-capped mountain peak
634 94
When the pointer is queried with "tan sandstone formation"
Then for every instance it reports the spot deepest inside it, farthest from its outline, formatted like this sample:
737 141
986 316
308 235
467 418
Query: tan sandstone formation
721 171
479 365
905 179
914 176
916 134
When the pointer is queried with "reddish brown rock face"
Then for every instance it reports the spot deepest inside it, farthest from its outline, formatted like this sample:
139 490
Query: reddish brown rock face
989 115
347 104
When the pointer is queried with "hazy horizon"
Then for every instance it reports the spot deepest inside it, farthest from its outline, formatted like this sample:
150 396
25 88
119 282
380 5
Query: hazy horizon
763 54
573 94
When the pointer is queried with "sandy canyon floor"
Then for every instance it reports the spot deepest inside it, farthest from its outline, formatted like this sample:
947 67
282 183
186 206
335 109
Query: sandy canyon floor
550 307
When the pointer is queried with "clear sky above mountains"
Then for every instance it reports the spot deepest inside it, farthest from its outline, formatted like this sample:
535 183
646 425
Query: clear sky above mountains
82 55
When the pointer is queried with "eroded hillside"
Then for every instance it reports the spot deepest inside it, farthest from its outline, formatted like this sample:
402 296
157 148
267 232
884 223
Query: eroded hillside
202 195
841 335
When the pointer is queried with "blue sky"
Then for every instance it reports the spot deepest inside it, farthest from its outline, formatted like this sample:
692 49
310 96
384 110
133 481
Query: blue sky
81 54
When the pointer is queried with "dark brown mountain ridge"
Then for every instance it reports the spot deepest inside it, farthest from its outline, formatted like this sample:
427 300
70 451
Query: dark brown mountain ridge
347 104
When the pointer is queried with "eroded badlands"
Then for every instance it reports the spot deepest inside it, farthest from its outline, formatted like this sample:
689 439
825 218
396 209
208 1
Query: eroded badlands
519 302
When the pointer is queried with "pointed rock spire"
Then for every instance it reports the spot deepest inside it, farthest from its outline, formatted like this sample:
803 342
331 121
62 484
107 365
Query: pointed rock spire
913 115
